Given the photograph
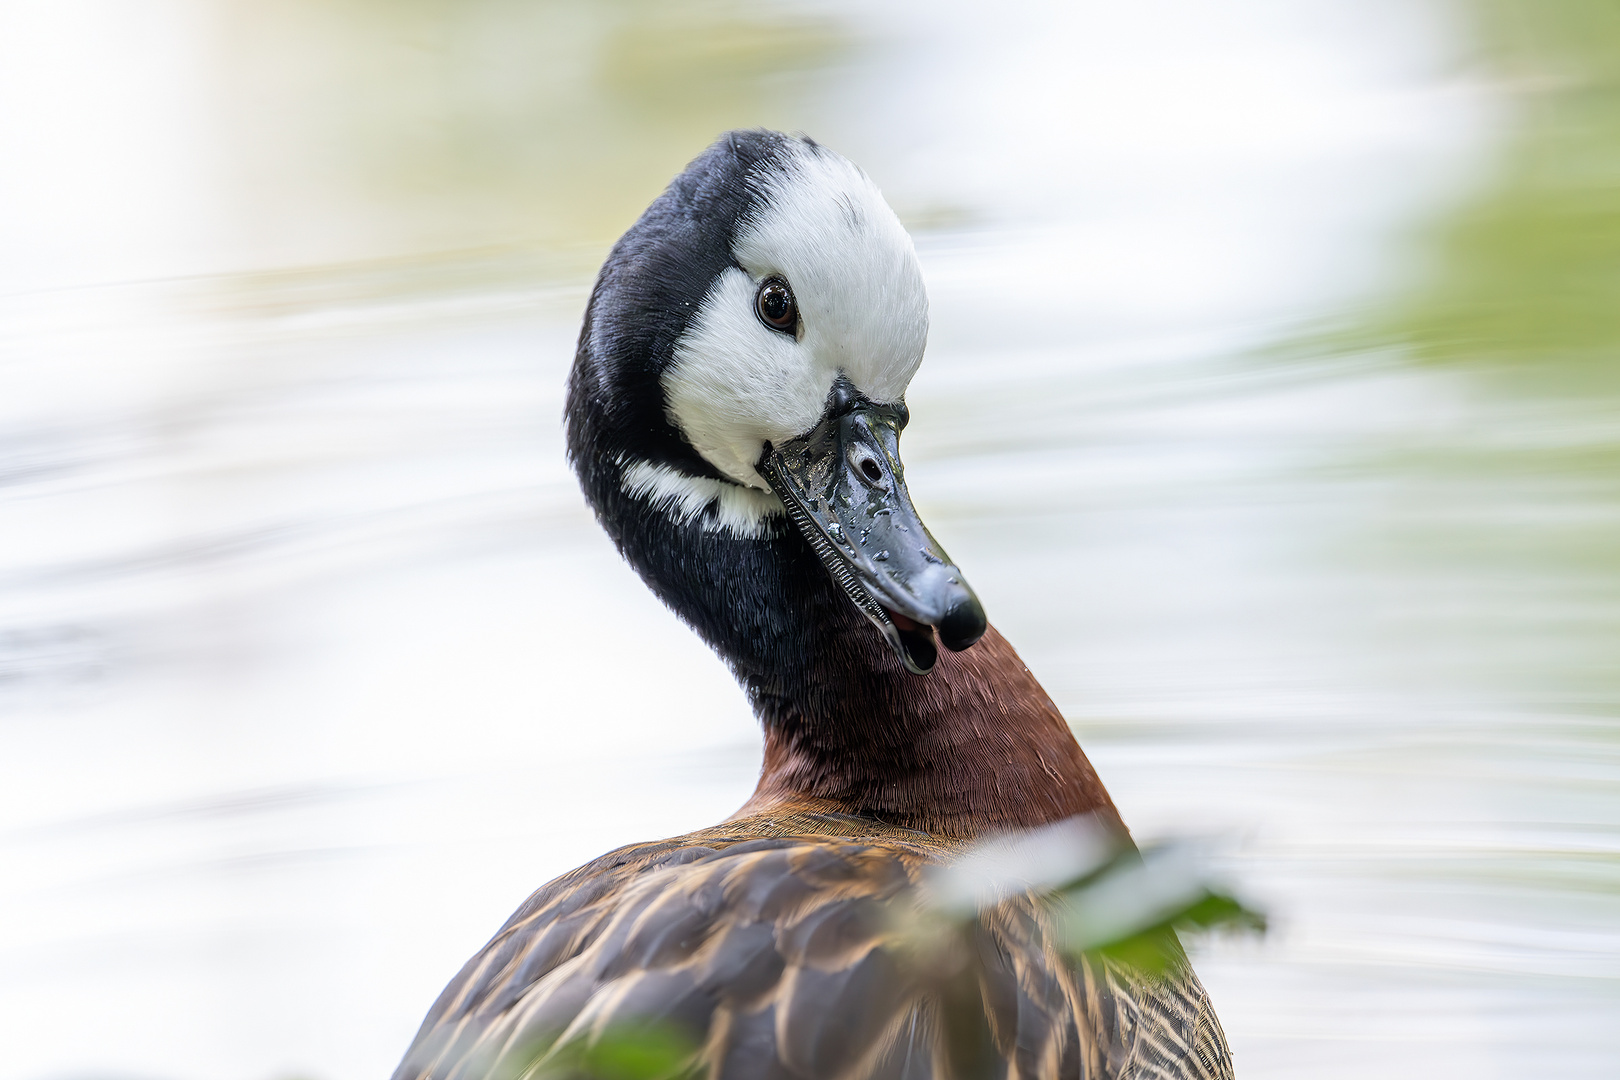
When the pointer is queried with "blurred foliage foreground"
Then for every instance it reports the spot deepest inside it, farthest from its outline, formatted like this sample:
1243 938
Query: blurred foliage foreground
1104 901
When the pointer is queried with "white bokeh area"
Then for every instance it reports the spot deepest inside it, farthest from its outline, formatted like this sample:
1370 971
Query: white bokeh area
314 663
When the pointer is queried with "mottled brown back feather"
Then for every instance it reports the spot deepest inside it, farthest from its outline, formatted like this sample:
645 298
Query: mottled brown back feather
765 940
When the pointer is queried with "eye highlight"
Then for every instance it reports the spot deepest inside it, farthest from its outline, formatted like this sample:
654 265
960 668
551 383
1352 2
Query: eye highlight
775 305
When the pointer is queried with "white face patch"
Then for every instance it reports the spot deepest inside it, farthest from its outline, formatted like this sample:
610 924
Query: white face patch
824 228
716 505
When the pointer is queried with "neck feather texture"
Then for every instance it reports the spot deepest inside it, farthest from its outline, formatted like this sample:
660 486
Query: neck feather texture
974 747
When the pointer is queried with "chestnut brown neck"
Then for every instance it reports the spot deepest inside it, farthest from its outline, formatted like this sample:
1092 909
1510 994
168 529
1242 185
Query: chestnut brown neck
974 747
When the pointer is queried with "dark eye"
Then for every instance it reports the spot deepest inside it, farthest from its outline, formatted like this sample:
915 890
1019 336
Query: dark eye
776 306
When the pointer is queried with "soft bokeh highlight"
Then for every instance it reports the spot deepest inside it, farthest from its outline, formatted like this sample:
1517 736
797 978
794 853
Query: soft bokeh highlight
1269 405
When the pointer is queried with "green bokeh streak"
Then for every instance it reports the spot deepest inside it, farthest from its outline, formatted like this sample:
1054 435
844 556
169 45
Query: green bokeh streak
529 122
1527 273
1498 521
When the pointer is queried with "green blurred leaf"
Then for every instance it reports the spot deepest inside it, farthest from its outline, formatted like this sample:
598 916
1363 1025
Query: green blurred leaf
657 1052
1130 909
1109 899
1157 949
630 1051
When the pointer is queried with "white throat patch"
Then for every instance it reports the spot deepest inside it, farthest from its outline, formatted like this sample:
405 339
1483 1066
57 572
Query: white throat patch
716 505
824 228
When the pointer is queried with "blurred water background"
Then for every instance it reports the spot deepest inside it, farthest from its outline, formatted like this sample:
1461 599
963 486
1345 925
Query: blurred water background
1272 404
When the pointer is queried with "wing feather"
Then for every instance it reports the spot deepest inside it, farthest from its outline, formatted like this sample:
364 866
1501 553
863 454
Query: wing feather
777 955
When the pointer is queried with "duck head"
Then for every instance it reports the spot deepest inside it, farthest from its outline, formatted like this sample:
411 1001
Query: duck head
735 410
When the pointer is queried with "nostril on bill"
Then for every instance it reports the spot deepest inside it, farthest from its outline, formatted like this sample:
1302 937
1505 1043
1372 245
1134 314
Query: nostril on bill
863 461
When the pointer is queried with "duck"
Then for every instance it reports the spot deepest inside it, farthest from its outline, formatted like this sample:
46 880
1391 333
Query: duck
734 413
